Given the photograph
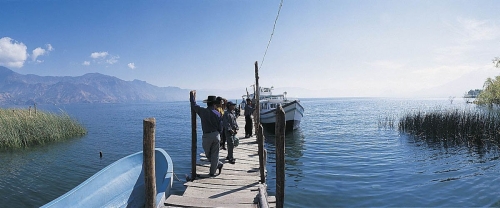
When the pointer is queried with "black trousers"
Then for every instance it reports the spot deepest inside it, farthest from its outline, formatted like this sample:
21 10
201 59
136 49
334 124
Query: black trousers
223 138
248 125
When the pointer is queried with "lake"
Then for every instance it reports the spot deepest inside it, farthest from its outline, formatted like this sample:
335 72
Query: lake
340 156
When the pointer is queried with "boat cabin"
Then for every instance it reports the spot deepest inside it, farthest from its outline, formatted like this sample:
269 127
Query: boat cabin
271 102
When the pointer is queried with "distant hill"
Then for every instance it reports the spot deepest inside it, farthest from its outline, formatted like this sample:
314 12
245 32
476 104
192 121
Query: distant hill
89 88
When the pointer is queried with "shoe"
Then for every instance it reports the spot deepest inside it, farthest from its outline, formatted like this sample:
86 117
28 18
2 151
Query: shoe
232 161
227 158
220 167
212 175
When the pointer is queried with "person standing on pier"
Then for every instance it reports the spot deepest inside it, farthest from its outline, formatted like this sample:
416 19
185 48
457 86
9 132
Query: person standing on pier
211 125
231 128
221 106
248 118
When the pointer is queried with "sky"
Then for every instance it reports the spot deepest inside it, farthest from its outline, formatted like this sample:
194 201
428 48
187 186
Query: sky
319 48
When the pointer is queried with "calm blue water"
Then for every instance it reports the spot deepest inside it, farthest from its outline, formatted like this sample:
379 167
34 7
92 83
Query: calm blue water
340 157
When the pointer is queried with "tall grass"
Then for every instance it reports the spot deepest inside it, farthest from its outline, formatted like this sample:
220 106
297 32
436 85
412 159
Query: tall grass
21 128
455 127
387 122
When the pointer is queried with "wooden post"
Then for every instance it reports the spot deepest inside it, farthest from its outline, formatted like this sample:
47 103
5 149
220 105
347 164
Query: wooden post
280 156
262 155
258 127
257 99
29 110
263 203
35 107
194 139
149 160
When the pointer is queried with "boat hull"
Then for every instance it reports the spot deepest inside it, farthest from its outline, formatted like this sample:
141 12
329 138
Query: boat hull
293 115
120 184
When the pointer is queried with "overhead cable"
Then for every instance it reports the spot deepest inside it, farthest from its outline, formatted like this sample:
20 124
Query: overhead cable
272 33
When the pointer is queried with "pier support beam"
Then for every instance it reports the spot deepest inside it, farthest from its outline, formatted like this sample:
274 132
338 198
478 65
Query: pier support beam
257 100
149 126
258 128
280 156
194 139
262 154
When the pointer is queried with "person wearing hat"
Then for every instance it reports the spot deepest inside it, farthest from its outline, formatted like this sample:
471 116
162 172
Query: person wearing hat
211 125
248 118
231 128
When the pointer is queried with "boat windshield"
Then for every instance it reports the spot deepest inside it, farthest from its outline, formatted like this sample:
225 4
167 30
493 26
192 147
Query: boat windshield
268 106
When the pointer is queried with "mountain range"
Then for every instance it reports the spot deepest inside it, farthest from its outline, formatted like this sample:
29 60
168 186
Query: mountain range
18 89
21 89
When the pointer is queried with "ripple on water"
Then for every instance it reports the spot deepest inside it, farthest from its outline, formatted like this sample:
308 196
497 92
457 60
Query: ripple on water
347 160
338 158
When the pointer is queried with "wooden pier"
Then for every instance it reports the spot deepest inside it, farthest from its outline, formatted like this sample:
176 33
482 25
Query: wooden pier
238 185
242 184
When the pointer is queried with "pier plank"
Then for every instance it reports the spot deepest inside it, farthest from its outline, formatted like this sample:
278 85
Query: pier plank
251 186
200 202
224 181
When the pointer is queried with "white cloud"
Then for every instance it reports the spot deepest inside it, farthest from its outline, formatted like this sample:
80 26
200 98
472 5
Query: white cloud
131 65
49 47
113 59
37 52
478 30
86 63
12 53
96 55
104 57
40 52
469 38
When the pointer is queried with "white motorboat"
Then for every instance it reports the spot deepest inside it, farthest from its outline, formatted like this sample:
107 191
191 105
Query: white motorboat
268 104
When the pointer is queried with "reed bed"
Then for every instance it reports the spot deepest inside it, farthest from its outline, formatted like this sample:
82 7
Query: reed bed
387 122
454 127
20 128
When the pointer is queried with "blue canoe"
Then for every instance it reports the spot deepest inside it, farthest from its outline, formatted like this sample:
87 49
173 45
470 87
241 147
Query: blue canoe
120 184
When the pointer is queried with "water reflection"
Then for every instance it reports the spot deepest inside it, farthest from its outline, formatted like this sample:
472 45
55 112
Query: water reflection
294 150
451 165
481 153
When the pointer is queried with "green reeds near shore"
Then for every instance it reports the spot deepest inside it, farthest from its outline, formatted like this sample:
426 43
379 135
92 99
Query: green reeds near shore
454 127
386 122
21 128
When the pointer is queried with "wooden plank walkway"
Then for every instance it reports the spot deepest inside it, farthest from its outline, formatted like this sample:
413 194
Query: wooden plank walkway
236 186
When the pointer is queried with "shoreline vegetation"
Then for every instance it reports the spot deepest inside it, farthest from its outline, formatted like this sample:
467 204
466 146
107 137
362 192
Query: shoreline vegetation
479 128
454 127
22 128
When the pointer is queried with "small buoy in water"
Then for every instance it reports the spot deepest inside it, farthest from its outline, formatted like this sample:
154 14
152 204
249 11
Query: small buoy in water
100 154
